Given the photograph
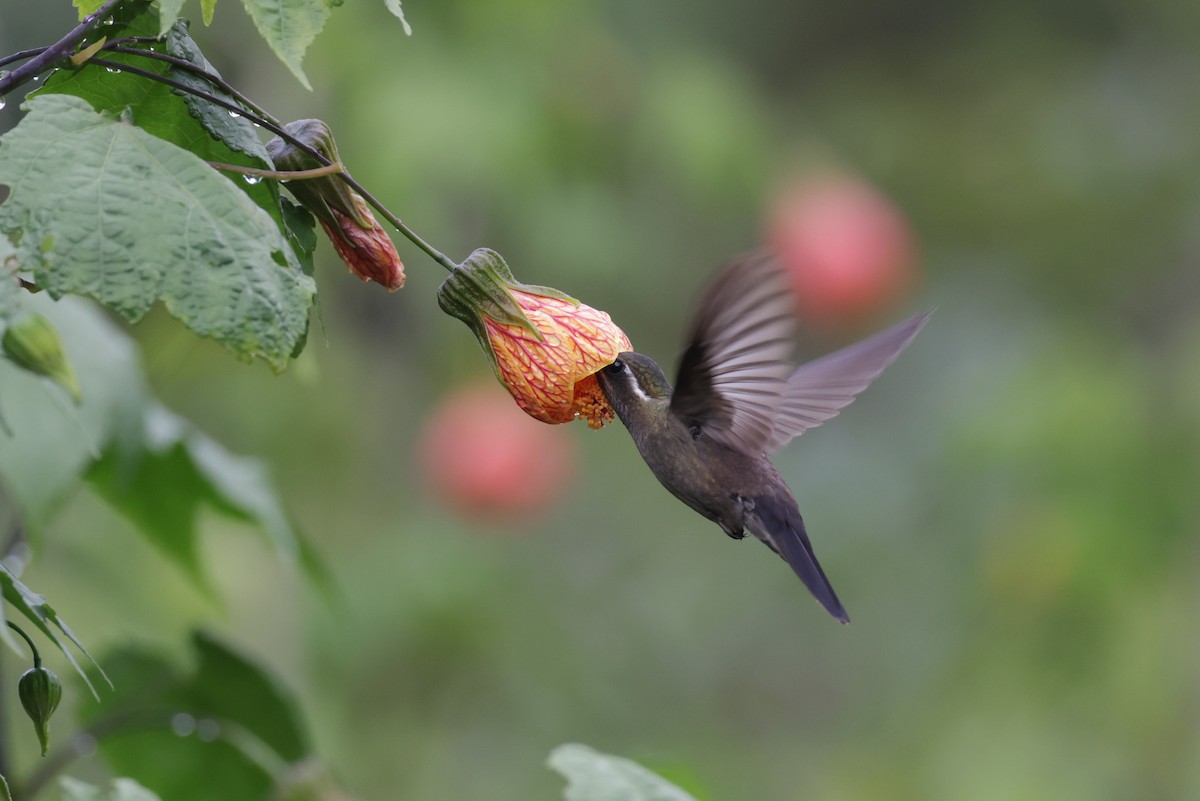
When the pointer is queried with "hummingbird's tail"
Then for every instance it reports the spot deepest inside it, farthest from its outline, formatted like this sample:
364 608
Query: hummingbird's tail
777 522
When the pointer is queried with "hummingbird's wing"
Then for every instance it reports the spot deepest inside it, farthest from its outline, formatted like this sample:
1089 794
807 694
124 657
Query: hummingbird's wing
732 374
819 389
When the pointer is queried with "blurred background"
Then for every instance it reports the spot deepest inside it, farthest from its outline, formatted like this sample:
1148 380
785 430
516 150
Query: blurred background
1010 513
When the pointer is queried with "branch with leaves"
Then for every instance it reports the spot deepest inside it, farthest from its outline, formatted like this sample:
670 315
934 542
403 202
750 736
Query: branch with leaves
139 176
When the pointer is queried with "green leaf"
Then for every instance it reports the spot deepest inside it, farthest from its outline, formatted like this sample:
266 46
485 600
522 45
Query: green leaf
42 615
164 471
394 7
121 790
87 6
207 7
193 123
229 687
157 469
237 133
168 11
224 731
302 230
10 288
52 442
289 26
190 122
593 776
107 210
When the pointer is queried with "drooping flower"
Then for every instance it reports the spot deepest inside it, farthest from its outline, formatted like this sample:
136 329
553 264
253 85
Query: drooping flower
545 347
367 250
345 217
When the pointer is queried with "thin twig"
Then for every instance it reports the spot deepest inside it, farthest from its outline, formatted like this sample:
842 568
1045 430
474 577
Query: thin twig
21 54
409 233
113 45
59 50
150 40
429 249
187 66
280 175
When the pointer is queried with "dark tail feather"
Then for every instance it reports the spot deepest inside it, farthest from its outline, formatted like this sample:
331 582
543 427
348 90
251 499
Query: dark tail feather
783 531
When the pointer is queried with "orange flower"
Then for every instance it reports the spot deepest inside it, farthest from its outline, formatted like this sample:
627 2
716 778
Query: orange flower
553 379
545 347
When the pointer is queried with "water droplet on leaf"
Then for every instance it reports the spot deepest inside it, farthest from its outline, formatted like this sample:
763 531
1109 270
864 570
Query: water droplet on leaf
252 179
234 114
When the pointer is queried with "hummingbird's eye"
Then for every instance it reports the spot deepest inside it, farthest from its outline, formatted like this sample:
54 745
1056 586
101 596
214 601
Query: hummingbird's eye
616 367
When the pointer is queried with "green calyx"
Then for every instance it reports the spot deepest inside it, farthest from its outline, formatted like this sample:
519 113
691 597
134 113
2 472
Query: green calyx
33 344
40 692
481 287
318 195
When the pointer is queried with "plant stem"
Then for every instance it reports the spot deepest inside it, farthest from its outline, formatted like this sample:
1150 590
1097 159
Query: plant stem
59 50
113 45
37 658
187 66
280 175
21 54
409 233
278 130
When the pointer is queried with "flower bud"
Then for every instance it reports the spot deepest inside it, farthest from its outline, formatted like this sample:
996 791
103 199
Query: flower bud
368 251
40 692
544 346
33 343
345 217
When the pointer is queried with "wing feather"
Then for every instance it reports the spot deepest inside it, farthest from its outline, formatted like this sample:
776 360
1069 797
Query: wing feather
819 389
733 372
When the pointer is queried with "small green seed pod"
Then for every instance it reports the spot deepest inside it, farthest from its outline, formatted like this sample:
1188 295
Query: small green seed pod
40 692
33 344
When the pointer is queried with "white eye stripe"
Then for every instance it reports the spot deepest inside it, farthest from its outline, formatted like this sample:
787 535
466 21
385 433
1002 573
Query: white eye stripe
634 383
637 389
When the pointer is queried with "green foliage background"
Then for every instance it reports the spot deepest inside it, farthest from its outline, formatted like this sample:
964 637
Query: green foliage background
1010 514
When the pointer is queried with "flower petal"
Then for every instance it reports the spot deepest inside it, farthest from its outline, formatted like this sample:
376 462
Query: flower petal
577 340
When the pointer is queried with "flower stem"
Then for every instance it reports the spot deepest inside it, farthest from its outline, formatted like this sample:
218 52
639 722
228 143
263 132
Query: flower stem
37 658
59 50
409 233
278 130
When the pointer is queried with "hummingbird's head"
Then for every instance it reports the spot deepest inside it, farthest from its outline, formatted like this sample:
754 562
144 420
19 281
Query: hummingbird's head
636 387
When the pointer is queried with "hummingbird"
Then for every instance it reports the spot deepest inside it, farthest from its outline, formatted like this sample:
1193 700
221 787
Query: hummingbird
738 397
